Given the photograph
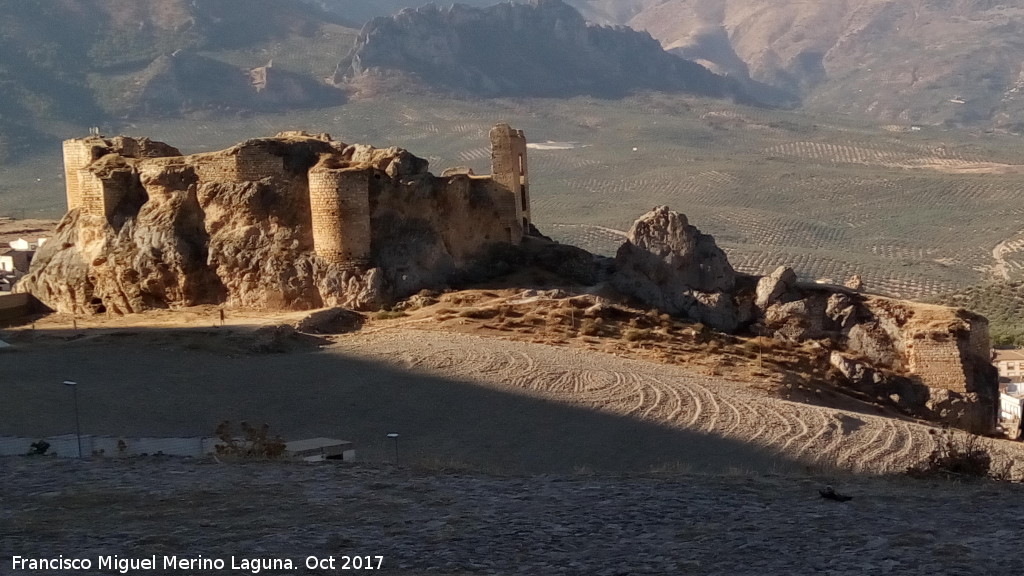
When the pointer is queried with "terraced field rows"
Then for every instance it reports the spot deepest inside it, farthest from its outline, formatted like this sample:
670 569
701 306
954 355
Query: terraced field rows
837 153
665 395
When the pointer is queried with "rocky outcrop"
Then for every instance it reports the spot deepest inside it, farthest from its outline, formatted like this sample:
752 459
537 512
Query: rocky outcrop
667 264
540 48
930 361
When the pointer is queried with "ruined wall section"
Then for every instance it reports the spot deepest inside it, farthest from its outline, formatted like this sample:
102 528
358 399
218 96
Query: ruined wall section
246 162
510 171
78 154
340 206
511 228
949 349
253 162
935 359
99 194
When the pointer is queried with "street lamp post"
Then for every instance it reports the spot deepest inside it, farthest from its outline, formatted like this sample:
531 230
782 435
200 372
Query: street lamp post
394 437
78 427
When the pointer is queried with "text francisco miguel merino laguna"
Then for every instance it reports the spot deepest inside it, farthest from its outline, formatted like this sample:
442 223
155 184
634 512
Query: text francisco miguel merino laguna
253 565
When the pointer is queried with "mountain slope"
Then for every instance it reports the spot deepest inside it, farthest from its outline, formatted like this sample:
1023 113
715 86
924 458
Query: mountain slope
544 48
957 62
70 60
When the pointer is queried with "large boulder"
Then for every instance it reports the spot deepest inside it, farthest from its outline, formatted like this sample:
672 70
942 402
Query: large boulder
668 264
773 287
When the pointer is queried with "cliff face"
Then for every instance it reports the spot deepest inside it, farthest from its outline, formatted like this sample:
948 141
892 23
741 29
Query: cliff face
544 48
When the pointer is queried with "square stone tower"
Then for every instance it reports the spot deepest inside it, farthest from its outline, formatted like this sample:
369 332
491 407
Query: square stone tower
509 168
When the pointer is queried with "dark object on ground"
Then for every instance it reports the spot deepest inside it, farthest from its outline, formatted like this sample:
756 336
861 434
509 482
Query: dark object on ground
830 493
38 448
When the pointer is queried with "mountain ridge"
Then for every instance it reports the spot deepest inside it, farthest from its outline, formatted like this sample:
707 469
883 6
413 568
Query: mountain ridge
542 48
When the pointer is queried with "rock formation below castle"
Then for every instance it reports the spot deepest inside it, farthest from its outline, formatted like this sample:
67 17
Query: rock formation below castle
931 361
542 48
292 222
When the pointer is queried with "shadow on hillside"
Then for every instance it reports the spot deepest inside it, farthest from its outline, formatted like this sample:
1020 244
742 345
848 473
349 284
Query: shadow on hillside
136 386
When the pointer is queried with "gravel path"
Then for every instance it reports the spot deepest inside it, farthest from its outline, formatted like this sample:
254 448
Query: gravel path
435 522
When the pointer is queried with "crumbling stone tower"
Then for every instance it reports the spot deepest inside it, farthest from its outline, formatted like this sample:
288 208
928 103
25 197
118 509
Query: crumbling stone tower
81 186
95 184
339 199
509 169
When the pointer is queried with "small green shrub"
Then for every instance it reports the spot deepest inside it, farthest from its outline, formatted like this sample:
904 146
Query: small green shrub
389 314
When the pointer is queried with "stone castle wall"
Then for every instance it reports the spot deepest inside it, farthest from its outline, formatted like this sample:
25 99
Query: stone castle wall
474 211
340 204
217 168
253 163
980 344
937 361
505 202
78 154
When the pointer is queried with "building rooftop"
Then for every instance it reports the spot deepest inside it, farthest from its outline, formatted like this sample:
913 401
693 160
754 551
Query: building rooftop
1011 355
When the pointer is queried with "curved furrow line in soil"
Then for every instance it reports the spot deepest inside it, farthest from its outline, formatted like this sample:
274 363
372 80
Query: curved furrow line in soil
603 388
691 410
731 419
674 404
795 416
755 422
655 404
711 411
825 442
869 457
782 428
913 444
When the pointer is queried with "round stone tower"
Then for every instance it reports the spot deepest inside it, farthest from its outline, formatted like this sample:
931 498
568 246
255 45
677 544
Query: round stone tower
339 200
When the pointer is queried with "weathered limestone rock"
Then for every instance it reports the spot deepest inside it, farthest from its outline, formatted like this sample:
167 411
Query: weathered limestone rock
841 310
772 287
670 265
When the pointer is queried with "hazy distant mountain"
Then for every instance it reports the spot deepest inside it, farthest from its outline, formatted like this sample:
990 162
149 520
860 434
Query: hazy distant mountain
543 48
927 61
84 61
361 11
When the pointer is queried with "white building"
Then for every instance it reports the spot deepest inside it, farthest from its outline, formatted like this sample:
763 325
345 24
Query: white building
1010 364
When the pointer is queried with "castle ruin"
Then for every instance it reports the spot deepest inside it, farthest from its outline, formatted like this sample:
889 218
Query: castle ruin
294 221
343 182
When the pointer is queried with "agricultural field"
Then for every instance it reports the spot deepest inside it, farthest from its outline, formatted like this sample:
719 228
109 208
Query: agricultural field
917 212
